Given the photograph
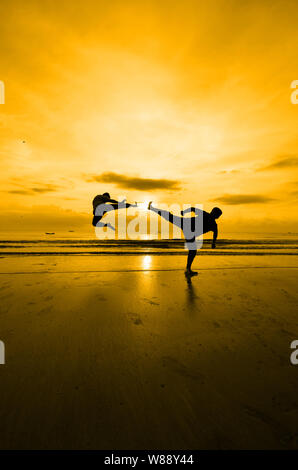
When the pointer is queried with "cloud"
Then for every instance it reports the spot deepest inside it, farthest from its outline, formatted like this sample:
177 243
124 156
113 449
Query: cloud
291 187
284 162
47 188
38 189
23 192
133 182
237 199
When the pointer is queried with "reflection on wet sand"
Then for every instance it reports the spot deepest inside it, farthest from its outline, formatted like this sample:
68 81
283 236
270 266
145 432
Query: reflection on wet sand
147 260
192 298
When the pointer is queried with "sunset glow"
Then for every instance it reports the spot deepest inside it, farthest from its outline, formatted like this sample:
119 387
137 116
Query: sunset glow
148 91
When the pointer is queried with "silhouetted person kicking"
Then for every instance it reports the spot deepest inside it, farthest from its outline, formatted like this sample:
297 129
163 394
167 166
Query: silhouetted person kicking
192 227
102 203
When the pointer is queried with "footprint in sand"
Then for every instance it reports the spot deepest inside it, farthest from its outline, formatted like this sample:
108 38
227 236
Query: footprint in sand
151 302
101 298
135 318
6 296
4 287
181 369
290 439
45 310
283 404
258 414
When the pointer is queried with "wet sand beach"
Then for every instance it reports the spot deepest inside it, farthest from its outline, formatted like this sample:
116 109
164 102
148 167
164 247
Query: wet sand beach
125 353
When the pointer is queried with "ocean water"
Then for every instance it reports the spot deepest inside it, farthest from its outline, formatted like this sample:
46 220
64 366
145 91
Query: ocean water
70 244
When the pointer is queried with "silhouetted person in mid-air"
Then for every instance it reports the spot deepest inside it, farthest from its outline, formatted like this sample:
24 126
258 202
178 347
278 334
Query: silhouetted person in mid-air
192 227
102 203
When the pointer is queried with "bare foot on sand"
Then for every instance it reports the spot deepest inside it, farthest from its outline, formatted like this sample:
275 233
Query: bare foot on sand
190 273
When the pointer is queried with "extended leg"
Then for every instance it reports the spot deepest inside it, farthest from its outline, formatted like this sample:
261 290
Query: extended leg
122 205
191 243
102 209
174 219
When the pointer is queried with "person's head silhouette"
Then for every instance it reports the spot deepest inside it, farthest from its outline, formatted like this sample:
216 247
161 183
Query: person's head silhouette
216 212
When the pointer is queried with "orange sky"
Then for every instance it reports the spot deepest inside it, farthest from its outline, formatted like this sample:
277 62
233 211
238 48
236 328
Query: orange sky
110 95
